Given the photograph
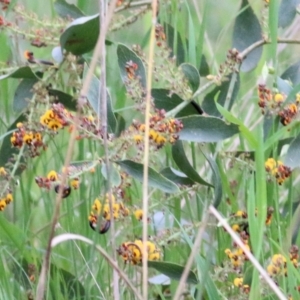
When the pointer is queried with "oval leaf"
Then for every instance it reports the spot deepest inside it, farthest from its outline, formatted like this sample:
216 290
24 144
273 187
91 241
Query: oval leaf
292 158
184 165
125 55
156 180
67 100
220 93
23 72
66 10
174 271
81 35
206 129
287 12
216 180
192 75
94 100
163 100
23 93
204 67
247 31
176 176
292 73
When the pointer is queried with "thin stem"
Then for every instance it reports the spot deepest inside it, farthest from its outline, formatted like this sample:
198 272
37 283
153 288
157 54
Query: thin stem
133 4
194 252
146 148
102 112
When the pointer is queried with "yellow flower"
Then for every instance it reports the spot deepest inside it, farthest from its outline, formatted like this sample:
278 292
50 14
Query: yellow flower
2 204
160 140
28 138
52 176
270 164
235 227
278 98
2 171
75 183
238 282
153 134
54 125
97 206
138 214
8 198
138 138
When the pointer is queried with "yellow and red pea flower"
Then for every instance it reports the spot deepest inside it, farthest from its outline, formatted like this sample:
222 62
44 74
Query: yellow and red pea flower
132 252
278 170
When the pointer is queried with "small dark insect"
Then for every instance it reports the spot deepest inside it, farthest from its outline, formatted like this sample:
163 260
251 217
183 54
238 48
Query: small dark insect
104 227
66 191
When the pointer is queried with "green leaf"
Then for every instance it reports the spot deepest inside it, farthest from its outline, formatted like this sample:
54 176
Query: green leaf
243 129
115 177
156 180
292 158
287 12
184 165
121 124
163 100
206 129
247 31
81 35
66 10
125 55
219 94
67 100
283 86
192 75
172 38
94 100
292 73
23 94
23 72
12 234
216 180
176 176
174 271
66 283
204 67
6 150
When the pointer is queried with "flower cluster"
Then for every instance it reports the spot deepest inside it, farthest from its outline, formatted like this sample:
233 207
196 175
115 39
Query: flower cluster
278 264
278 170
288 113
238 282
101 207
161 131
237 256
55 118
53 180
133 252
32 139
160 35
130 68
5 201
272 102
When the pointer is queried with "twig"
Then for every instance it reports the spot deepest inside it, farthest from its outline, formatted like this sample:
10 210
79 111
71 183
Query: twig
133 4
250 256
